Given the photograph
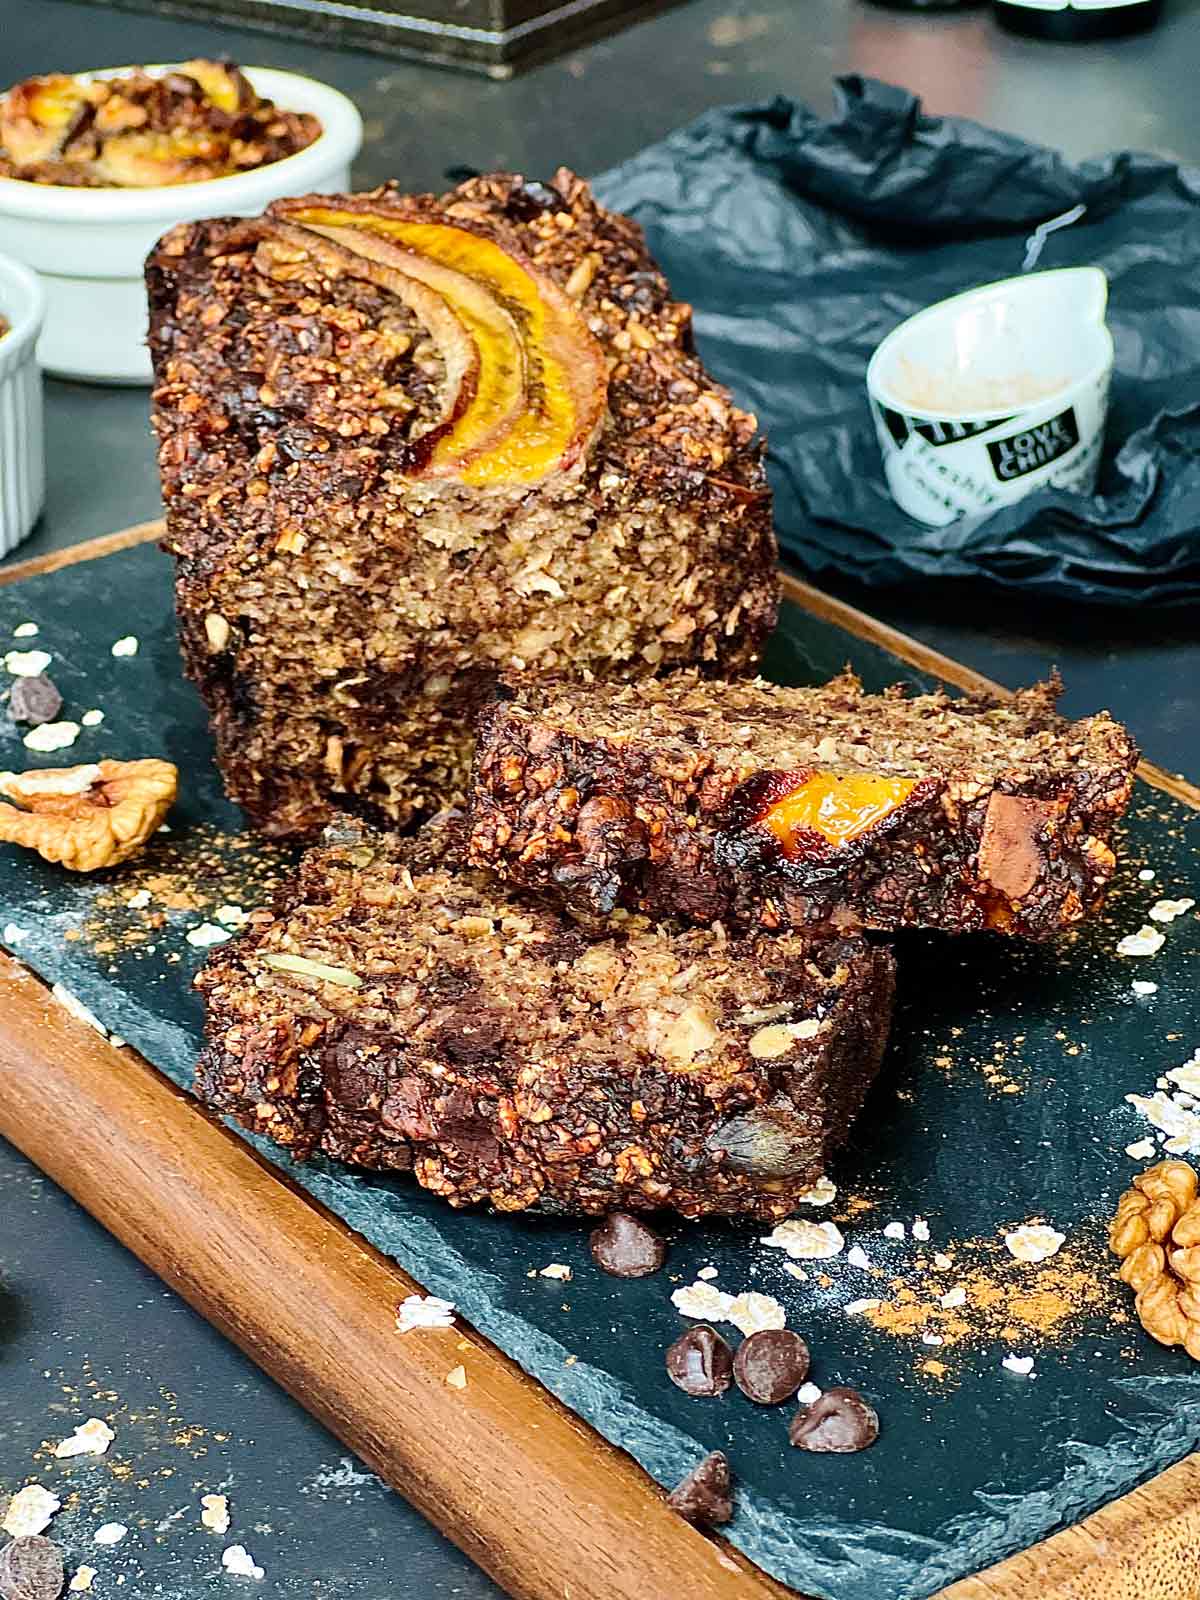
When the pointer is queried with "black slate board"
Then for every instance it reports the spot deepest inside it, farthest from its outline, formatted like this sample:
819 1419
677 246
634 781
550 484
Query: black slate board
968 1468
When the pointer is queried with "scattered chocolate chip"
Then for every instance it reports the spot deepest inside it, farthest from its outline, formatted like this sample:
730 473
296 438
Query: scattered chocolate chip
705 1494
31 1568
34 700
701 1363
771 1365
840 1421
626 1247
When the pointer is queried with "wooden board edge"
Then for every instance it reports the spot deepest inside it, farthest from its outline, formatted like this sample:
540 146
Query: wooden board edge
1144 1546
533 1494
91 549
926 659
526 1488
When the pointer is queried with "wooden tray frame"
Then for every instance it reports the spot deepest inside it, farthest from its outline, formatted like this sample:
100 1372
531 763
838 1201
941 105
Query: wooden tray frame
532 1493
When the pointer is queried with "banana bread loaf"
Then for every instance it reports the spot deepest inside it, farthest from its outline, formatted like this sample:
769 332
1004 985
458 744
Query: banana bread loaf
398 1012
409 443
781 807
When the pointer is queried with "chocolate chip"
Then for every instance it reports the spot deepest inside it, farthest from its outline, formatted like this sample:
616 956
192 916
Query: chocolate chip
472 1033
700 1363
459 1122
31 1569
626 1247
529 200
771 1365
356 1068
704 1496
34 700
840 1421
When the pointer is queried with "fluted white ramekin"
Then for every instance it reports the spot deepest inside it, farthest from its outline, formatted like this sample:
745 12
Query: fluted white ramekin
89 245
22 450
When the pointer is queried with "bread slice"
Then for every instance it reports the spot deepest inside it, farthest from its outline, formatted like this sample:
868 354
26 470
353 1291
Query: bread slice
756 805
398 1012
407 444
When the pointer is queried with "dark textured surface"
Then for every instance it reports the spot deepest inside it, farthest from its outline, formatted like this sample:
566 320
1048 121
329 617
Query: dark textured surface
86 1330
592 109
966 1469
499 1069
1011 834
652 562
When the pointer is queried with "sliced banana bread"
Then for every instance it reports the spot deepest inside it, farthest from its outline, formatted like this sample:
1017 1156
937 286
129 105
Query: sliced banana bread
407 444
398 1012
779 807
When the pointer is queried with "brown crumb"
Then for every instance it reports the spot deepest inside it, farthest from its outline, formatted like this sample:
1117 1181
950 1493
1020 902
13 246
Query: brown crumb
193 871
994 1068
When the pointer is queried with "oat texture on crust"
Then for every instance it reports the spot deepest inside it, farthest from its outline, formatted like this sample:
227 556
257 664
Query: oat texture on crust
400 1012
708 801
344 613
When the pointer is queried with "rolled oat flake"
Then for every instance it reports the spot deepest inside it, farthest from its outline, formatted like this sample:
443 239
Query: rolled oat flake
31 1568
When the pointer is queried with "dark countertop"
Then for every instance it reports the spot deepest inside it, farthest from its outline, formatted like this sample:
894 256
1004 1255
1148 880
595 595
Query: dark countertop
86 1330
78 1315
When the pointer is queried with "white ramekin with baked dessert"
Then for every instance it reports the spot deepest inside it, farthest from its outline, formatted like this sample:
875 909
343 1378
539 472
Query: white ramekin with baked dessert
22 452
95 167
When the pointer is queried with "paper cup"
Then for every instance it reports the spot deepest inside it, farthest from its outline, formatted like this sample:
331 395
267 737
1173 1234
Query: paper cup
983 398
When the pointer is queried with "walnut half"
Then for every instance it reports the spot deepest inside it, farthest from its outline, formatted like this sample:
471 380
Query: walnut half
87 817
1155 1233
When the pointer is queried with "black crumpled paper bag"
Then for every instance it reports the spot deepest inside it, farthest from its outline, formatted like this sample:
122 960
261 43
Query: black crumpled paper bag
802 242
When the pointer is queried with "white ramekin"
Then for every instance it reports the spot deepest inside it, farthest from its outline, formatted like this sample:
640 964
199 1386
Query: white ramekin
1047 326
22 450
89 245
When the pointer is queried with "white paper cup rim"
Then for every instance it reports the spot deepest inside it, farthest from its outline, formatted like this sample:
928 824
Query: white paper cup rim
1024 286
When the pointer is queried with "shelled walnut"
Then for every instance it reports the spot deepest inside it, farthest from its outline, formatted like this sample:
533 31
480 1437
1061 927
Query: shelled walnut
87 817
1156 1234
